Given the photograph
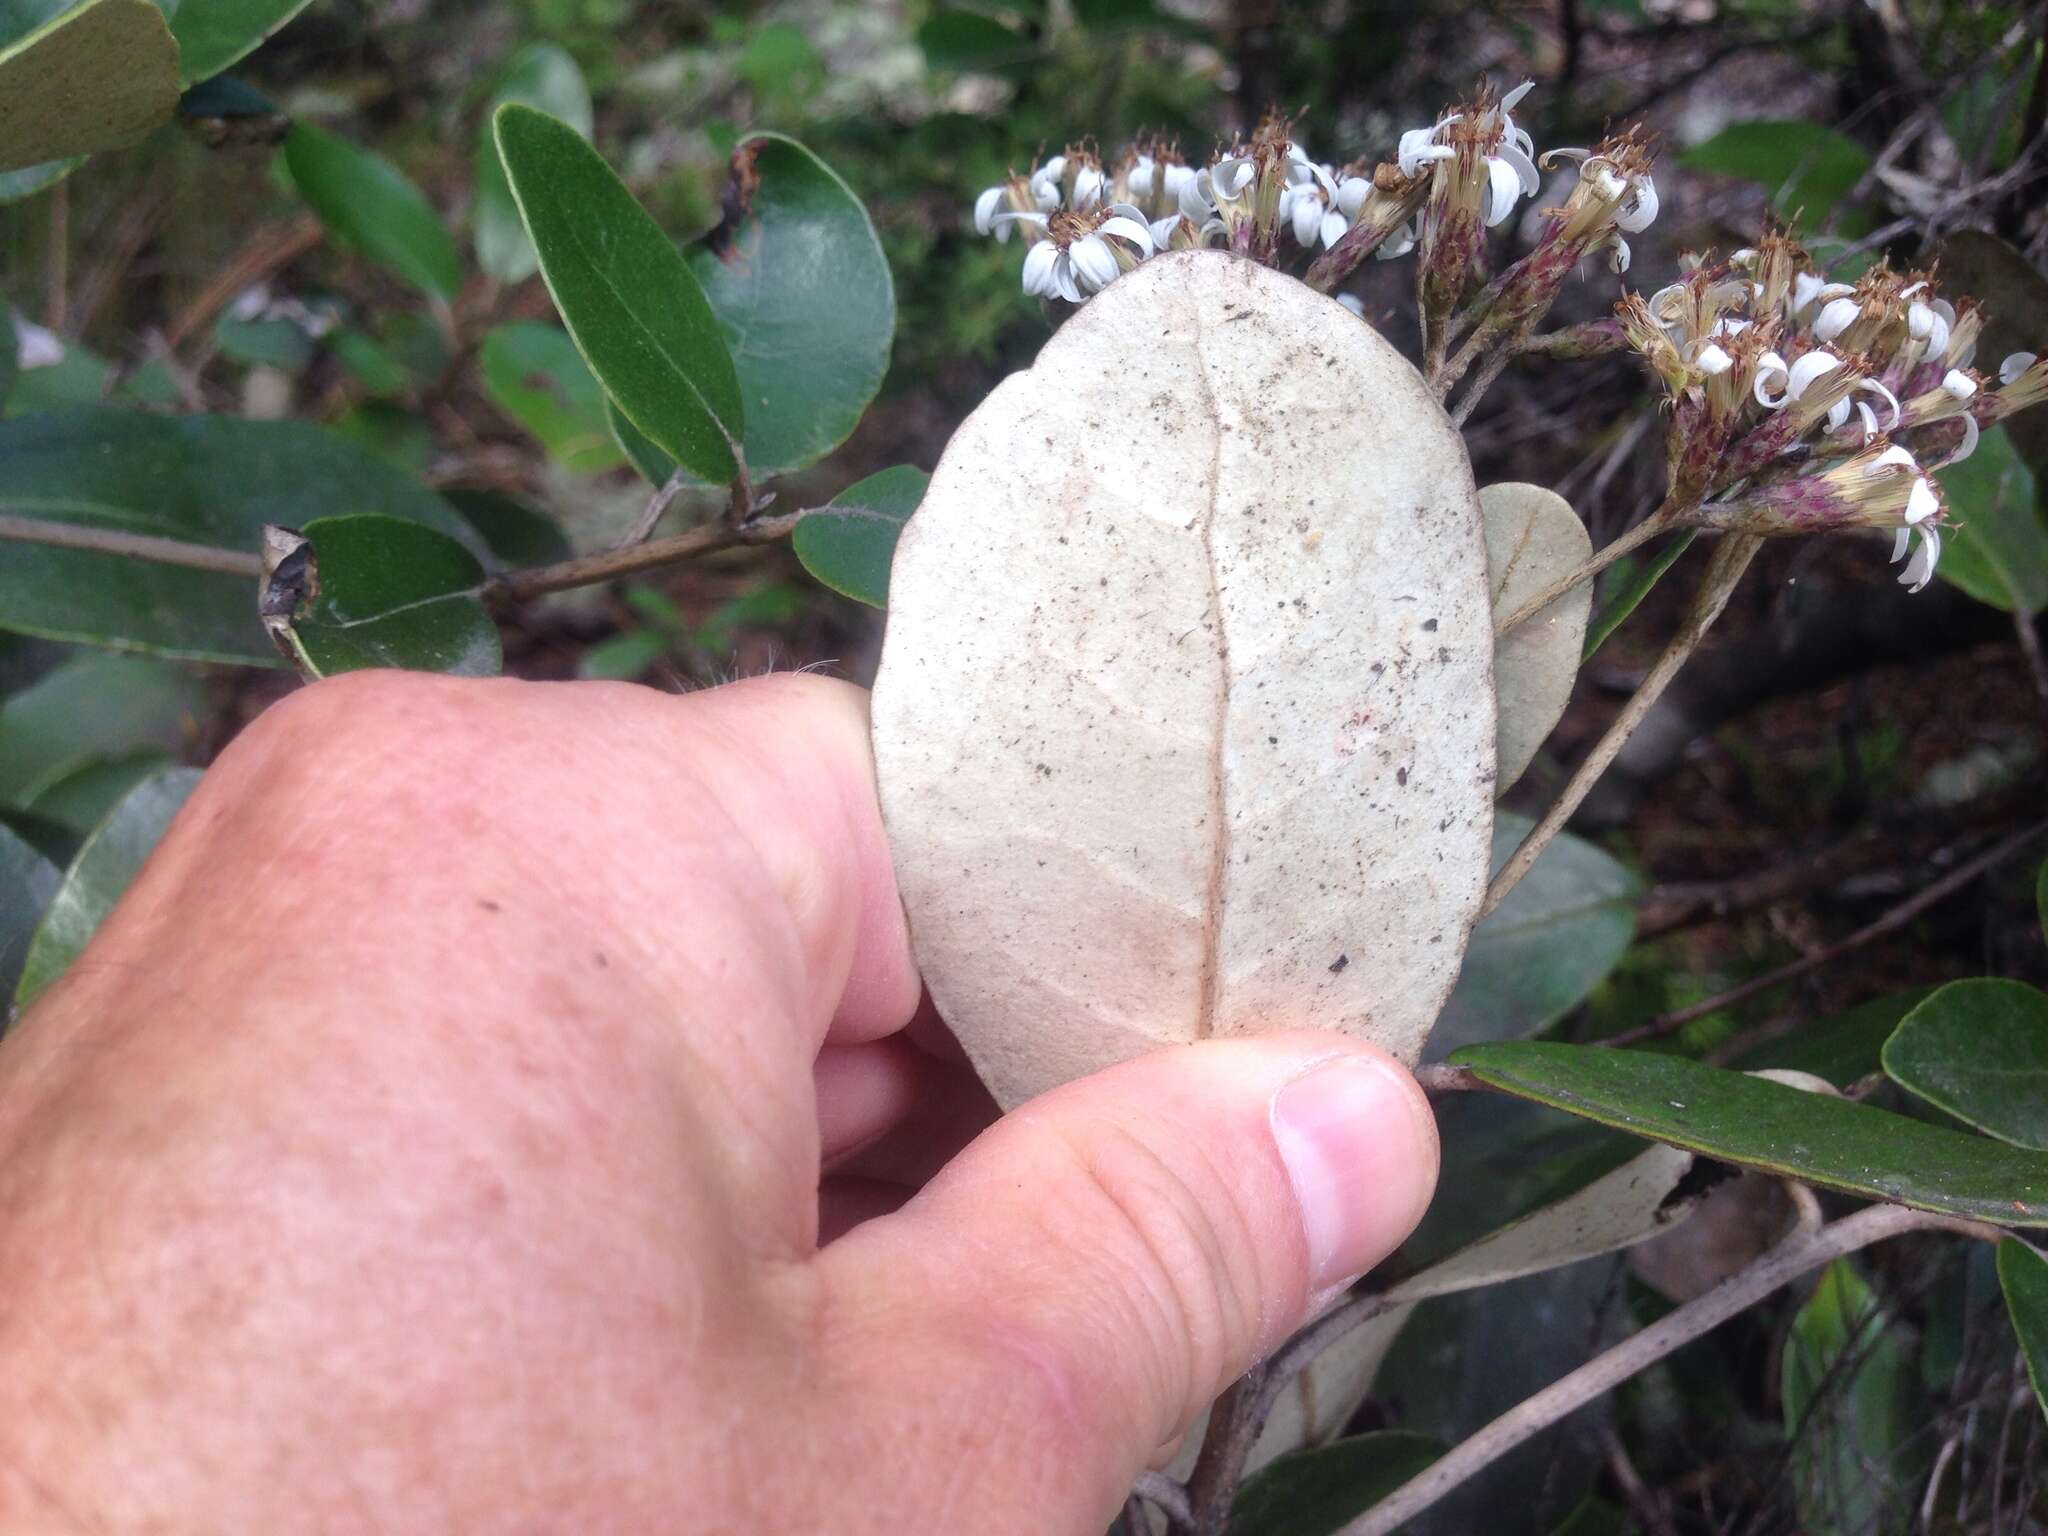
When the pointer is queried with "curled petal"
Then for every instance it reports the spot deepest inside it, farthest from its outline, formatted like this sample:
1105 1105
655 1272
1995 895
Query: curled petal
1003 221
1771 367
1920 569
1890 399
1334 226
1162 231
1919 318
1418 147
1713 361
1901 542
1306 217
1524 168
1230 177
1352 192
1504 186
1093 262
1830 291
1088 185
2015 364
1640 210
1063 279
1806 288
1869 420
1194 201
1810 367
1921 503
1891 456
1399 243
1142 174
1619 257
1514 97
1838 415
1039 263
1176 180
1127 228
985 207
1550 157
1836 316
1968 446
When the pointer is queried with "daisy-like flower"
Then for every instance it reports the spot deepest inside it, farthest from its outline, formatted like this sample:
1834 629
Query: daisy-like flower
1082 252
1882 487
1016 194
1311 208
1485 133
1616 196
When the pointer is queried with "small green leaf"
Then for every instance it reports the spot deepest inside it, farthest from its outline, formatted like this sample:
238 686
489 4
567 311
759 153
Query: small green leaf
537 377
802 293
90 707
1633 591
389 593
1979 1049
515 533
27 883
207 480
1998 550
1756 1123
106 863
1546 947
849 542
637 314
15 186
366 202
2023 1276
1804 168
100 76
1844 1382
1313 1493
542 76
216 34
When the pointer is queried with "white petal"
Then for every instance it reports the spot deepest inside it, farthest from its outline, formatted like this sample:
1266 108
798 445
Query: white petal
1836 316
1307 217
1003 221
1901 542
1162 231
1712 361
1835 290
1968 445
1352 302
985 207
1504 185
1921 503
1937 336
1142 175
1334 226
1893 455
1351 195
1230 177
1618 258
2015 364
1640 210
1176 180
1063 278
1744 258
1088 184
1919 319
1525 169
1920 569
1810 366
1399 243
1094 263
1039 263
1046 194
1869 420
1890 399
1194 197
1133 230
1508 102
1838 415
1806 288
1768 367
1418 145
1666 303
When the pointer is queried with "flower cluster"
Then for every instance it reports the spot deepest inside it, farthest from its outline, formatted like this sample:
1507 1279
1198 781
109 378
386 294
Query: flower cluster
1268 197
1807 404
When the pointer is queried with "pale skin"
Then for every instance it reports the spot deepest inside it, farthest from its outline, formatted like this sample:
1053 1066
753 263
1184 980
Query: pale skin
432 1140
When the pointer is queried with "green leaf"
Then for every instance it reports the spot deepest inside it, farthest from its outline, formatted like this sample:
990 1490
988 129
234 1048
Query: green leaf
1843 1386
2013 294
1547 946
87 708
1757 1123
366 202
373 368
28 881
542 76
654 465
100 76
389 593
105 865
637 315
802 293
623 657
215 34
1633 591
1312 1493
515 533
779 61
1979 1049
80 800
2023 1276
537 377
1844 1047
10 354
29 180
965 40
849 542
1998 550
1804 168
263 343
206 480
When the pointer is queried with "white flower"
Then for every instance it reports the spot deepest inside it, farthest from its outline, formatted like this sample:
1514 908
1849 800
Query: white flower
1926 322
1045 183
1418 146
2009 371
1920 569
1836 316
1143 172
1084 264
1305 209
1176 180
1088 187
1640 207
986 207
1712 360
1352 192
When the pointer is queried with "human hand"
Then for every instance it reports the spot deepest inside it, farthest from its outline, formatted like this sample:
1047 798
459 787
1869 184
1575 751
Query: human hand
431 1140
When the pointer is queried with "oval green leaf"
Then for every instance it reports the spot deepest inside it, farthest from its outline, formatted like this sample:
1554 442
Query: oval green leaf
214 34
535 375
802 292
542 76
366 202
100 76
628 297
1757 1123
207 480
1804 168
1998 550
1979 1049
28 881
105 865
90 707
389 593
848 543
1546 947
2023 1276
1313 1493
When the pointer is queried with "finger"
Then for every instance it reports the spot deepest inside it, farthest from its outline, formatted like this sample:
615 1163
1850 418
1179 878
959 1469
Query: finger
864 1092
952 1108
1089 1274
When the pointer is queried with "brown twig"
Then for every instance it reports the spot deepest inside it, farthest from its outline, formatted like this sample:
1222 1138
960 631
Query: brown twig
268 251
609 564
1889 922
135 546
1235 1420
1800 1254
1168 1497
1667 517
1731 559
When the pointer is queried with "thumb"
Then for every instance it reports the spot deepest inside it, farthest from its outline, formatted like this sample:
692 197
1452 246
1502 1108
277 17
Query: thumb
1087 1276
